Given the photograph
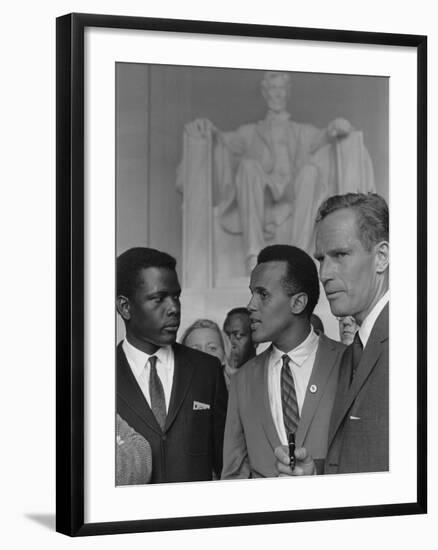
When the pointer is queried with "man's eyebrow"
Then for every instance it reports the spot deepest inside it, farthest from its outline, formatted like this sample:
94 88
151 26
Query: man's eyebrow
157 293
259 289
162 293
319 255
337 249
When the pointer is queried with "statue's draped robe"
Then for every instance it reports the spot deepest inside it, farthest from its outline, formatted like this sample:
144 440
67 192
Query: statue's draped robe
272 176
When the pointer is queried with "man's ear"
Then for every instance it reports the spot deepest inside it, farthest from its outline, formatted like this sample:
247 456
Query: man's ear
123 307
382 256
298 303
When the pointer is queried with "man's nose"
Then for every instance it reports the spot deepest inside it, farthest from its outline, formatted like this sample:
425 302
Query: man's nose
325 270
251 305
174 307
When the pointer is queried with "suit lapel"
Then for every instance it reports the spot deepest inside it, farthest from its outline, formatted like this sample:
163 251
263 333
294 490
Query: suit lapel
129 391
261 397
325 361
182 377
369 359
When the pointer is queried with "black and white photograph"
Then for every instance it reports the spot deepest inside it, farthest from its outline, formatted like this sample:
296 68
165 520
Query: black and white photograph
227 196
252 226
206 343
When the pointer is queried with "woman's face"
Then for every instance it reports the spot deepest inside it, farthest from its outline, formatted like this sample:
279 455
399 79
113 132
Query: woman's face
206 340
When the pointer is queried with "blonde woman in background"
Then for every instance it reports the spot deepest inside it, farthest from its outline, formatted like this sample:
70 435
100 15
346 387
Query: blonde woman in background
205 335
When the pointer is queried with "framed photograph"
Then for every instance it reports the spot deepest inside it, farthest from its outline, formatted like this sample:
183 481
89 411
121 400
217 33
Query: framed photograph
209 142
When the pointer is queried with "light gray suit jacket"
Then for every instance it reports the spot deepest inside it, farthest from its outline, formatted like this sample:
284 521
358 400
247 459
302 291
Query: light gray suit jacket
250 433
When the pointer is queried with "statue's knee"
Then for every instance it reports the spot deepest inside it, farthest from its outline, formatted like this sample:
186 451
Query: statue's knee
250 166
250 174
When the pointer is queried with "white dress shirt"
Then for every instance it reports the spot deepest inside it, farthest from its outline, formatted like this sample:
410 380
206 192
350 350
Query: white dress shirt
301 363
139 363
368 323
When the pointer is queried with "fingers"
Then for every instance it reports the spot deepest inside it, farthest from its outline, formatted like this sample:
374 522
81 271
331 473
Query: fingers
199 127
344 127
282 454
304 462
303 456
283 461
339 127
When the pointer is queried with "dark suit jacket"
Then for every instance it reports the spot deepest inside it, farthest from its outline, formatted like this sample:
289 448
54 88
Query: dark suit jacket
190 446
358 437
250 434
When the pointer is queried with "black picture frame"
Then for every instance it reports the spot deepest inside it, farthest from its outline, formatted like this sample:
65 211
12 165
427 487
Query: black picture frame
70 307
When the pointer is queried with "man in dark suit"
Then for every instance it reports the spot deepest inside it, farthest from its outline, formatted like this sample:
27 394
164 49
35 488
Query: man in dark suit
173 396
352 247
290 387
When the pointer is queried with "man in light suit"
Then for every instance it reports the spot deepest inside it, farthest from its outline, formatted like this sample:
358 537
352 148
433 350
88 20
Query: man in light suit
352 247
290 387
173 396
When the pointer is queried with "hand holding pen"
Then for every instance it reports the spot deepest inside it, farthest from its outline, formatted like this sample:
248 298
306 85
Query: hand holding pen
304 464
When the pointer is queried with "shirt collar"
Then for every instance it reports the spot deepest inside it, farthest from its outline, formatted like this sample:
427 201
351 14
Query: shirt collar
368 323
139 359
299 354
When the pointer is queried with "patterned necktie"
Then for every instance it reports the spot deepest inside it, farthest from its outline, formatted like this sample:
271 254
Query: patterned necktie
357 351
156 392
291 414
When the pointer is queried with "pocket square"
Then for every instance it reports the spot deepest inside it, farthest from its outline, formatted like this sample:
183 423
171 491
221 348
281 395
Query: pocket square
198 406
354 417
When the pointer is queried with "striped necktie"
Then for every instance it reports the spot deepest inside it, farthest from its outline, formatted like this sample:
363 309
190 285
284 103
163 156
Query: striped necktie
156 392
291 414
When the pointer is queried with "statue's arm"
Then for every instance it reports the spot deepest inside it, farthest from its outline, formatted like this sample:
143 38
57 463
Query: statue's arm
236 140
337 129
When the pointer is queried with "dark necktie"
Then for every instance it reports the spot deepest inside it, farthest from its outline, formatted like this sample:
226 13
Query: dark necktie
156 392
291 414
356 354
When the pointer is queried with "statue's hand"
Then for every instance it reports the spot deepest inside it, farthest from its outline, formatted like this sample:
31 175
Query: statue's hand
199 128
339 128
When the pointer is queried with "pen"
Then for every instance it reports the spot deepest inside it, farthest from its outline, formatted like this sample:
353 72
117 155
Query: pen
291 444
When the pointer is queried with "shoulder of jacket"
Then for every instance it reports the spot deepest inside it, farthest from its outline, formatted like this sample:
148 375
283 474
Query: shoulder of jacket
195 356
334 344
250 368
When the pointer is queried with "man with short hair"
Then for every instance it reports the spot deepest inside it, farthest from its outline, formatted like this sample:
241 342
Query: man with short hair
352 247
290 387
237 328
173 396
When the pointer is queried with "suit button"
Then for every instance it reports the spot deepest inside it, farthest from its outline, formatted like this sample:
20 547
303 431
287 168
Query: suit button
313 388
163 437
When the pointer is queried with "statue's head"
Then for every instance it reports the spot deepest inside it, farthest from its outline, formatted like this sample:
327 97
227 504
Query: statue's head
276 89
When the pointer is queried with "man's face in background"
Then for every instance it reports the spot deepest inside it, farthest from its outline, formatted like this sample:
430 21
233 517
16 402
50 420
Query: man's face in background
237 328
347 329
